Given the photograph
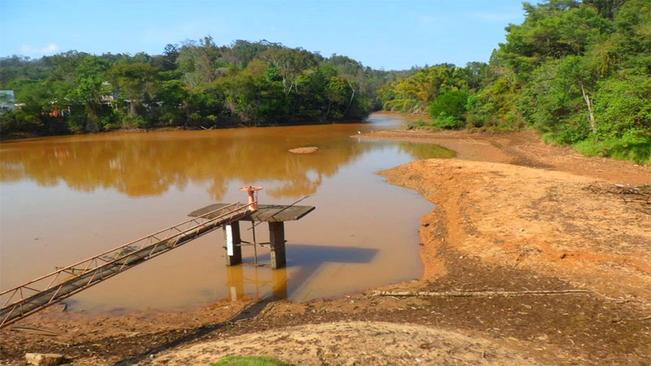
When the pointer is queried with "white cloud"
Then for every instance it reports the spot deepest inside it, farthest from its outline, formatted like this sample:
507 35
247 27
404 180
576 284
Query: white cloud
29 50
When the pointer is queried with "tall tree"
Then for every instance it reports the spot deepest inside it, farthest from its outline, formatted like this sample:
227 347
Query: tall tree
135 82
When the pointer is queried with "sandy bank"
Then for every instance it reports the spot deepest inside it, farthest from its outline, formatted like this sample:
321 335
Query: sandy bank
361 343
555 223
525 149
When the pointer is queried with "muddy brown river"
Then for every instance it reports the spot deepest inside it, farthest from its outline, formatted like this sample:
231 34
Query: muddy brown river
63 199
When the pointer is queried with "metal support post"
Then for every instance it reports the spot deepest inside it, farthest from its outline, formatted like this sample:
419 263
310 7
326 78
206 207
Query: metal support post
277 244
233 243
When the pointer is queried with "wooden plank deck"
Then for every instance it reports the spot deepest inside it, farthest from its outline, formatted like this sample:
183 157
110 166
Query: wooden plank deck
264 213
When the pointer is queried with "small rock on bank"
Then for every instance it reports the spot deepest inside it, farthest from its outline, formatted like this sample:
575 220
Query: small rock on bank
304 150
44 359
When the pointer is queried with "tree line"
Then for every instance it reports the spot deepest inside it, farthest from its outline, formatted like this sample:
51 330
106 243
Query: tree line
579 71
195 85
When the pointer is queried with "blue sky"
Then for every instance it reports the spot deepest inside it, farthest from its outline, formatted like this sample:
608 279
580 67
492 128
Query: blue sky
389 34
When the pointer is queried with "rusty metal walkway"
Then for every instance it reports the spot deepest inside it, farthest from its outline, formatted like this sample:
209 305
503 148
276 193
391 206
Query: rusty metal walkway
36 295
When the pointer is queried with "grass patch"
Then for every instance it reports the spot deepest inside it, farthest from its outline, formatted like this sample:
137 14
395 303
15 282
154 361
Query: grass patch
419 124
250 361
427 151
448 122
634 145
629 147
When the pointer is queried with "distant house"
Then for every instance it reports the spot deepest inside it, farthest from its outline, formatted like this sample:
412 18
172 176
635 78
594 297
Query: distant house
7 100
108 96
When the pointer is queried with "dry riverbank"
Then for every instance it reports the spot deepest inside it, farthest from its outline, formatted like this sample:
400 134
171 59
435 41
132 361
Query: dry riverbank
513 215
524 149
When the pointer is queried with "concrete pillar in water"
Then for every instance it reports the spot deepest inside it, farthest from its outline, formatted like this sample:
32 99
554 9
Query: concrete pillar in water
277 240
233 244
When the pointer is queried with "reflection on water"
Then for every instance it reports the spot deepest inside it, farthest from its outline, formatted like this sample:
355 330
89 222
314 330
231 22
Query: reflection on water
149 164
302 263
62 199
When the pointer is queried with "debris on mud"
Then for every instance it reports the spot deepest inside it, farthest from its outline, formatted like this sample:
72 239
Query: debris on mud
640 195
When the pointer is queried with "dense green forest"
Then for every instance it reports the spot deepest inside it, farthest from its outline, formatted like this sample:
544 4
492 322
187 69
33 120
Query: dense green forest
578 71
197 84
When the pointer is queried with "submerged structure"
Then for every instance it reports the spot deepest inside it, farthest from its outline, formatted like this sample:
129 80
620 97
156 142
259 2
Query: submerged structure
274 215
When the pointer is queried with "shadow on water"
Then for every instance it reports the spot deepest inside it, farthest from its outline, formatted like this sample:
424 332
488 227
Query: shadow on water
302 262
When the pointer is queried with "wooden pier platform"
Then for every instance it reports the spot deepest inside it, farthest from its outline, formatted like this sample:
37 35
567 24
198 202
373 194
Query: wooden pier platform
264 213
274 215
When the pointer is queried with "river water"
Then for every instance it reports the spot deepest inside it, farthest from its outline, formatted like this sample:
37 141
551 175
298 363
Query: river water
63 199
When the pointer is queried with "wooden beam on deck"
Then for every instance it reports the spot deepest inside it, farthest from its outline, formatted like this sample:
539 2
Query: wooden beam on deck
264 213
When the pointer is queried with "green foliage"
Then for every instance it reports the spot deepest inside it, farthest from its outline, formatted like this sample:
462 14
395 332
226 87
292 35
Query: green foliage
447 122
16 122
197 84
596 94
553 102
495 105
579 71
249 361
551 30
419 123
449 108
623 104
633 145
366 80
560 93
606 8
415 93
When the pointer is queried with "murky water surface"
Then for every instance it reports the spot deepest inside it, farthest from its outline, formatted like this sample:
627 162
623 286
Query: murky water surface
63 199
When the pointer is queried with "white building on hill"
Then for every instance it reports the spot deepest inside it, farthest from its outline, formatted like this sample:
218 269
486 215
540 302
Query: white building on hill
7 100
